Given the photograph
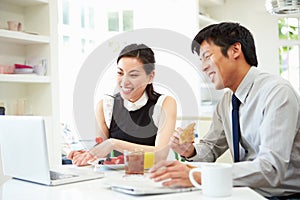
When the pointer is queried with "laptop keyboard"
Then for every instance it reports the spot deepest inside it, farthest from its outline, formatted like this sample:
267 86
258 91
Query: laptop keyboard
57 175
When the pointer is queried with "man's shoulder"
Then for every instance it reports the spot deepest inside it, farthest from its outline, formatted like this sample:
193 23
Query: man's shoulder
274 86
268 80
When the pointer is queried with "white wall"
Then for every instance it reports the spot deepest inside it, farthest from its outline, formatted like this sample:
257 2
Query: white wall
252 14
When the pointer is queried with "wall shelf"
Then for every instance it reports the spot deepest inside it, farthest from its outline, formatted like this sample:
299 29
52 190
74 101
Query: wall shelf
16 37
26 2
24 78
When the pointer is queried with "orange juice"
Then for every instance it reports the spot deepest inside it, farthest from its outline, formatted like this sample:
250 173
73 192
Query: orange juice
148 160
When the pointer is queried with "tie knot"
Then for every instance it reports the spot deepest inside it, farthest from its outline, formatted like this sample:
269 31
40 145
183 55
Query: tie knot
235 102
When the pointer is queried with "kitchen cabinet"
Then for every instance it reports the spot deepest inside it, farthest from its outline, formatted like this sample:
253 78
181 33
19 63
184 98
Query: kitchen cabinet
35 42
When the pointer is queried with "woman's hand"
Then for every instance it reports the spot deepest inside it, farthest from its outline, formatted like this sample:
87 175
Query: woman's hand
172 173
74 153
81 157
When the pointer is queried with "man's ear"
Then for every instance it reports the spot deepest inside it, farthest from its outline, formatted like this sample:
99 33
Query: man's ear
236 49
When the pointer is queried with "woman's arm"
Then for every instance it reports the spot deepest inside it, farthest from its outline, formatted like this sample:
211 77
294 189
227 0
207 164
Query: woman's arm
166 127
165 130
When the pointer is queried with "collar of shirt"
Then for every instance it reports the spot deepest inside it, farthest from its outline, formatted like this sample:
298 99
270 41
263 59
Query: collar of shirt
132 106
246 84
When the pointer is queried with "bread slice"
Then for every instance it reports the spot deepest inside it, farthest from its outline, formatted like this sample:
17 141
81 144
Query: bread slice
187 134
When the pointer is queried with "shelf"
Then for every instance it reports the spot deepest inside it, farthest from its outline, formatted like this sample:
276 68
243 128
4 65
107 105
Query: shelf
24 78
25 2
22 37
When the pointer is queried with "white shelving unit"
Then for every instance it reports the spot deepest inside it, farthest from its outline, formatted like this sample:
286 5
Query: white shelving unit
24 47
37 40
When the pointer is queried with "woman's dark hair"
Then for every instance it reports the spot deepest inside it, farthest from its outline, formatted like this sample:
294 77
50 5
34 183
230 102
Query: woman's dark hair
226 34
144 54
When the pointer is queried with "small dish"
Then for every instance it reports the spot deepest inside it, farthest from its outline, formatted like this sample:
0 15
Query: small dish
114 167
23 71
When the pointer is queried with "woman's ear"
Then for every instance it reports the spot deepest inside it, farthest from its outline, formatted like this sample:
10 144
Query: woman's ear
151 77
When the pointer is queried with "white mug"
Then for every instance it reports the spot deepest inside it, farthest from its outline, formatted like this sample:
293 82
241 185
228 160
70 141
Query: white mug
216 179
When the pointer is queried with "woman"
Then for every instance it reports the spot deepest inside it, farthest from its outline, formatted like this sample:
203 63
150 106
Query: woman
137 117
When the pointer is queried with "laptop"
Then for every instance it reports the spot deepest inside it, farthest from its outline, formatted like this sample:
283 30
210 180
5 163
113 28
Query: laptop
142 185
25 155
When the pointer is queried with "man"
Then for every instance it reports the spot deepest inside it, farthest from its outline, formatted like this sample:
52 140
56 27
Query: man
266 122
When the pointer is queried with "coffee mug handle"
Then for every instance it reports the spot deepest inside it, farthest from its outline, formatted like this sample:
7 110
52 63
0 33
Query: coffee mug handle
194 182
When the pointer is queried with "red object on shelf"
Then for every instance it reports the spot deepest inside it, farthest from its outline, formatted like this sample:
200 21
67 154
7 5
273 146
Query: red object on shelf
21 66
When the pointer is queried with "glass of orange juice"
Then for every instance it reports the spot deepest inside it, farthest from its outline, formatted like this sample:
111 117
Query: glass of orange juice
148 160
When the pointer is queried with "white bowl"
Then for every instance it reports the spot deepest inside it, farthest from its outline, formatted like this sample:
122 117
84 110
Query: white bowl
23 71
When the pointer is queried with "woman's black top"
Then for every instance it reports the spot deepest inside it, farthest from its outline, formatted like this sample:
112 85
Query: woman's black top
133 126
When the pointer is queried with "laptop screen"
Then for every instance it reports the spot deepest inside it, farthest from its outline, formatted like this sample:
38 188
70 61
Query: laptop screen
24 148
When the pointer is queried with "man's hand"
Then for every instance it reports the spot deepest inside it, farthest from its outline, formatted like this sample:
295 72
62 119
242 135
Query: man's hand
172 173
185 149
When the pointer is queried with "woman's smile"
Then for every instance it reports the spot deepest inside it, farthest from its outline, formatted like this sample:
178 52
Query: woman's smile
126 91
